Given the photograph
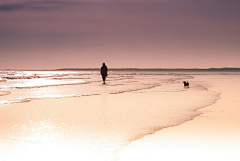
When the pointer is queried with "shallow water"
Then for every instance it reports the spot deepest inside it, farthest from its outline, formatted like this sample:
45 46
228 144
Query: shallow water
72 115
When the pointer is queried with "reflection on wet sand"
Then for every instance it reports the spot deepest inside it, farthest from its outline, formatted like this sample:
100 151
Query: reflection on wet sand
97 121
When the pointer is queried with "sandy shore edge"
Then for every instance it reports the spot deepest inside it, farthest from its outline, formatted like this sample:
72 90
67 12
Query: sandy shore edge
214 135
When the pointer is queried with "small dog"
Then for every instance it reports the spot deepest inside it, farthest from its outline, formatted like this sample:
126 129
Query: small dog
186 84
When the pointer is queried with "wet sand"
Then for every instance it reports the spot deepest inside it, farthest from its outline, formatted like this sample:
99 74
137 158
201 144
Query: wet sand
86 127
101 127
214 135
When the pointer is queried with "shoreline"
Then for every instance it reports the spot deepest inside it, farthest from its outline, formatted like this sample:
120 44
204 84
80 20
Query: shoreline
97 124
126 125
212 135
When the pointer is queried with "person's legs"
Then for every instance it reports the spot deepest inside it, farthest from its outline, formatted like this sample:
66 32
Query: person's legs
104 78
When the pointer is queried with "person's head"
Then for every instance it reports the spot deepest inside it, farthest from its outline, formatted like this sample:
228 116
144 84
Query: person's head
104 64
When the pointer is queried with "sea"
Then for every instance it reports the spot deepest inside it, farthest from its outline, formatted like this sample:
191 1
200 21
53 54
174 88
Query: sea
70 114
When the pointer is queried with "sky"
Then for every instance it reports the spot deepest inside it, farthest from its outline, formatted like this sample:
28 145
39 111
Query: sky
41 34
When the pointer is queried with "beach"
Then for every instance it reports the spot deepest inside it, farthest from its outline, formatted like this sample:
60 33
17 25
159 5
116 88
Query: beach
143 115
214 135
119 80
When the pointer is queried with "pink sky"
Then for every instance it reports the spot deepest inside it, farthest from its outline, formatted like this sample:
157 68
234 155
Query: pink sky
123 34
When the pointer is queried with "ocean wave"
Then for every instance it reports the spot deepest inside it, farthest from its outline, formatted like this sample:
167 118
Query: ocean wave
137 89
52 85
4 93
21 77
28 99
24 100
191 114
117 84
3 80
70 78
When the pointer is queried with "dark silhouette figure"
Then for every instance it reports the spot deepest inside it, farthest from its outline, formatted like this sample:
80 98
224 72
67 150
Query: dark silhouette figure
186 84
104 71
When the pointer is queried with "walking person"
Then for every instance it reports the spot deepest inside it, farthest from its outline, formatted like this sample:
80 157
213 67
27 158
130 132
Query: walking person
104 71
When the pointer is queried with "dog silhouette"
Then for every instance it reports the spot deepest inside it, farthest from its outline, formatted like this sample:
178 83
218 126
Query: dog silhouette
186 84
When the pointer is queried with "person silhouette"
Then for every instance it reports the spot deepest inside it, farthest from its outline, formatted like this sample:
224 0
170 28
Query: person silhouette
104 71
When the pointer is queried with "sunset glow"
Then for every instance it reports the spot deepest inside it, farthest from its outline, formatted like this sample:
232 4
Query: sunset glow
125 34
119 80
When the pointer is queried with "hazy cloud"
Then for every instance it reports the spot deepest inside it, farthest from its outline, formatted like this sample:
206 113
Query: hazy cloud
52 5
12 7
36 5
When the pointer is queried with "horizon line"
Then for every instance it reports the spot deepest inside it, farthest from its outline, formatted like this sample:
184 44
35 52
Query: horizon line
224 68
